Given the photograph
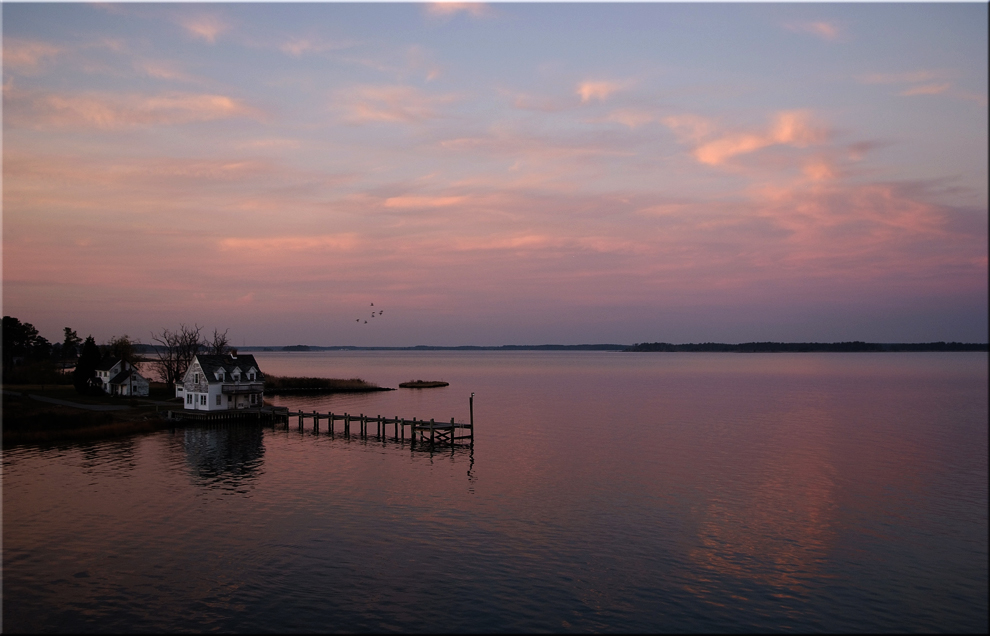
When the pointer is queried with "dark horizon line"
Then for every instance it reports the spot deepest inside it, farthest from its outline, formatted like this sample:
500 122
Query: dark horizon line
745 347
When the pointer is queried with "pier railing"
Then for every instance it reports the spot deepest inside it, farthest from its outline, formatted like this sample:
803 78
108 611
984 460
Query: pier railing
427 431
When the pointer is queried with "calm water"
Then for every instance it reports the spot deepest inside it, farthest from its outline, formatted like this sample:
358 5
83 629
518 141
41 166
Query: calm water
605 492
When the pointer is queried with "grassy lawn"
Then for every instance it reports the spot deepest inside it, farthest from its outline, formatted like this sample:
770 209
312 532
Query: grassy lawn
26 420
157 391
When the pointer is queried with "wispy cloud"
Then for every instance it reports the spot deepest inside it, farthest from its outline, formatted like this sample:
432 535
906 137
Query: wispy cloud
204 27
445 9
27 56
926 82
789 128
908 77
926 89
600 90
396 104
161 69
299 46
413 201
820 28
689 128
277 244
110 111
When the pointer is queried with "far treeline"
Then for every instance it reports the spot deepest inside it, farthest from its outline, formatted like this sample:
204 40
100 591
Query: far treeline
808 347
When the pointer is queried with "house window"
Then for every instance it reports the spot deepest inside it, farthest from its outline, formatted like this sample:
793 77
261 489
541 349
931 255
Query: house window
251 376
197 378
253 396
189 398
202 399
218 399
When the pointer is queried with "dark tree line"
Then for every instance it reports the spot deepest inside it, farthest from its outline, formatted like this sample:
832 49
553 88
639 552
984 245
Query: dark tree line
29 358
21 342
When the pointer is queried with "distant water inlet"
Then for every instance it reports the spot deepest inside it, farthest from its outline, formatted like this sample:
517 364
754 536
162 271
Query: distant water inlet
603 492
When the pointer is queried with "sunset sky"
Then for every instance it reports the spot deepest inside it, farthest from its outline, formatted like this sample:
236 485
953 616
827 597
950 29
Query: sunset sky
508 173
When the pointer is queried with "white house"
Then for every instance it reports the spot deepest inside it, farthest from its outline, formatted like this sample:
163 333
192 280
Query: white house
120 378
218 383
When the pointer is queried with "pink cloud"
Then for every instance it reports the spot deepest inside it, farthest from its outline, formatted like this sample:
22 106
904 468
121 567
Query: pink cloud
445 9
600 90
205 27
689 128
160 69
270 245
299 46
926 89
395 104
789 128
631 117
402 202
109 111
821 28
27 56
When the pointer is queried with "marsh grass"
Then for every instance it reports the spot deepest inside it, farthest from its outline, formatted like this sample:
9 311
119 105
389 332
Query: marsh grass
283 384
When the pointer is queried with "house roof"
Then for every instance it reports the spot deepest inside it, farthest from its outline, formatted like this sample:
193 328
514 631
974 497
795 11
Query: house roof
227 363
121 377
107 363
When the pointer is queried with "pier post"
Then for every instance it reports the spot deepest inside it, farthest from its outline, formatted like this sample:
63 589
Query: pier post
471 405
316 422
431 431
347 425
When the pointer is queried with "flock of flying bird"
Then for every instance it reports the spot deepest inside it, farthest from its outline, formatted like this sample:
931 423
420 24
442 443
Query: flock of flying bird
373 314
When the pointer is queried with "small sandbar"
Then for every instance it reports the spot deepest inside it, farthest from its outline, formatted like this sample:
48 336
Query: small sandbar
422 384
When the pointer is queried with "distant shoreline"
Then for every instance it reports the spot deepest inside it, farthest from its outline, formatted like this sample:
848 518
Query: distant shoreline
746 347
706 347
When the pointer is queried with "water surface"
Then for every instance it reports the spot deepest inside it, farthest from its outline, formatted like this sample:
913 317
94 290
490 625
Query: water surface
604 492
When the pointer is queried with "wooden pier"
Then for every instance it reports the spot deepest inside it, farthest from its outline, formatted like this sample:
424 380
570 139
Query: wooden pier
427 431
401 429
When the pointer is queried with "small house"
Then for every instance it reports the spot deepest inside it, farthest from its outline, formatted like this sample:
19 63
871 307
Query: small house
119 377
222 382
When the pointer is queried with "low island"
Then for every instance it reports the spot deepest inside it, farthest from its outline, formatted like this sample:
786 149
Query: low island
422 384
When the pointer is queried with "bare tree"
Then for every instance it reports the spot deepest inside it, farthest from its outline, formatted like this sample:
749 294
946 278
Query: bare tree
220 343
121 347
176 350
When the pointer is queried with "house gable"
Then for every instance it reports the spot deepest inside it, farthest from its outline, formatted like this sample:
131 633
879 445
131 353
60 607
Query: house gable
219 382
